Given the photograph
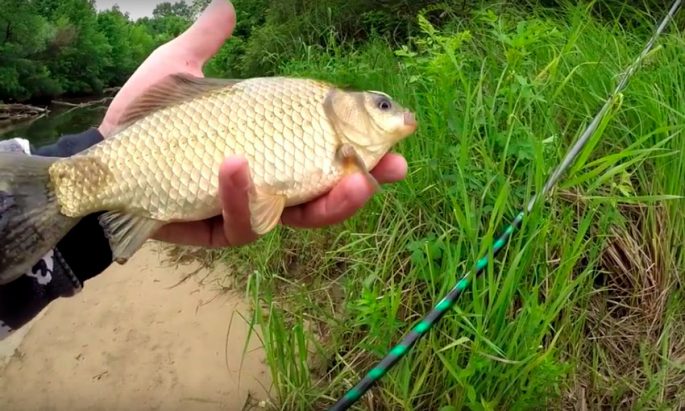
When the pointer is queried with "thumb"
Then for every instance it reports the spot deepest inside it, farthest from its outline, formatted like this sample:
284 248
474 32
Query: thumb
209 32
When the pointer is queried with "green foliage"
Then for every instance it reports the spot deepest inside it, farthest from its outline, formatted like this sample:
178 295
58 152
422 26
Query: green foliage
79 52
50 48
581 307
278 35
24 34
129 45
179 9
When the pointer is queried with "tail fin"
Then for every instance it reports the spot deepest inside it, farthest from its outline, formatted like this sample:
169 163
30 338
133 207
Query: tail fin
30 220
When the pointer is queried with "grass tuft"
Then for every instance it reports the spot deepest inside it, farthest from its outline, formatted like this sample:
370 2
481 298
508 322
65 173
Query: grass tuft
584 306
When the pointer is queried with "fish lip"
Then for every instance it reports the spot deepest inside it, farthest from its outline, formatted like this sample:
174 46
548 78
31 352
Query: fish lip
410 121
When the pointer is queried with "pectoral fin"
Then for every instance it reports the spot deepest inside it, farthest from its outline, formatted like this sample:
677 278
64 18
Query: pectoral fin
265 211
353 163
127 233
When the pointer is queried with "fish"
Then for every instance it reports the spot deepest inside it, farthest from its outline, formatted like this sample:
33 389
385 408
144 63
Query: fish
160 163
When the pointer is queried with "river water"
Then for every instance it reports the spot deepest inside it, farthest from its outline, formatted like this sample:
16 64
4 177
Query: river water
60 121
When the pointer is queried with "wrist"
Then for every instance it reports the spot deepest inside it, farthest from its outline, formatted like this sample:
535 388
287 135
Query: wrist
104 129
70 144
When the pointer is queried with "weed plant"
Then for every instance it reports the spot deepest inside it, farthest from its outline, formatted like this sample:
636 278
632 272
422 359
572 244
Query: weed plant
584 307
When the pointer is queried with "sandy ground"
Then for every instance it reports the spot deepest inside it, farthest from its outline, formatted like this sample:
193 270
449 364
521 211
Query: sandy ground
132 341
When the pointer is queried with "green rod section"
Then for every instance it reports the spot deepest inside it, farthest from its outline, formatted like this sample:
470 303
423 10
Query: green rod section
420 329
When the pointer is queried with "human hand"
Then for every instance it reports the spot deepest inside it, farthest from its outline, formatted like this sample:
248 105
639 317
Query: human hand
188 53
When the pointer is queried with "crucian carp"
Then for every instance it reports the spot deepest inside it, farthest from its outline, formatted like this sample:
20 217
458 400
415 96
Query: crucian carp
161 163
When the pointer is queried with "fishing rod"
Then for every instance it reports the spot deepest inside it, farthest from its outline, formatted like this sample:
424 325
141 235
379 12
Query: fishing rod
400 350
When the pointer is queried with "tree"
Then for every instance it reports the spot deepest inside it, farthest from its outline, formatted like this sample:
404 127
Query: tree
120 63
80 52
198 7
23 36
178 9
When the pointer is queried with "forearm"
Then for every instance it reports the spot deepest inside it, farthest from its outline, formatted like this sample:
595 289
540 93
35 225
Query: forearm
82 254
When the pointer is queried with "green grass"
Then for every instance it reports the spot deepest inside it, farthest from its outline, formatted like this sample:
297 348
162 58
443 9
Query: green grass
584 305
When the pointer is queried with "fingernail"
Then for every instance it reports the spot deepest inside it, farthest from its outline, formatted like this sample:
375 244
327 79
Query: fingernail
240 178
241 181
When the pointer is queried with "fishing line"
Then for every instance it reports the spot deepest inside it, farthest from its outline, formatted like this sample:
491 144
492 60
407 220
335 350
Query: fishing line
420 329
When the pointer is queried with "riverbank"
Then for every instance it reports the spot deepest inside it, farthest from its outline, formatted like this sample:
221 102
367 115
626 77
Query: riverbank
138 337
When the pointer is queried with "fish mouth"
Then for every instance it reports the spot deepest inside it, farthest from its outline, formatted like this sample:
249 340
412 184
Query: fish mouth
410 121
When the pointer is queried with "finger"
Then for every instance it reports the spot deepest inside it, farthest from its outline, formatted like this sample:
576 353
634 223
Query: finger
344 200
392 168
186 53
235 184
233 227
210 31
339 204
206 233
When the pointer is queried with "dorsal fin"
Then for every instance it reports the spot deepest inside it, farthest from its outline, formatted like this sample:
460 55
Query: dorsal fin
171 90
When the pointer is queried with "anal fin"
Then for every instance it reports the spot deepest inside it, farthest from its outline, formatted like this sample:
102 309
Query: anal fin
127 233
265 211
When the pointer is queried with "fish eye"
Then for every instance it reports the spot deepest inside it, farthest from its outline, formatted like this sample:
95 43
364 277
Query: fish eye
384 104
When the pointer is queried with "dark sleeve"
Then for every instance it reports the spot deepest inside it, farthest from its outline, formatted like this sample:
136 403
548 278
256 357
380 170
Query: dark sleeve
69 144
82 254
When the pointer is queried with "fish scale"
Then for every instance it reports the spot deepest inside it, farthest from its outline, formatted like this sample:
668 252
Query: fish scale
190 183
